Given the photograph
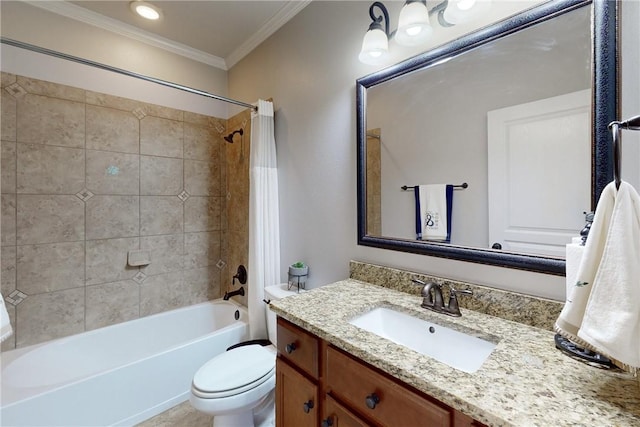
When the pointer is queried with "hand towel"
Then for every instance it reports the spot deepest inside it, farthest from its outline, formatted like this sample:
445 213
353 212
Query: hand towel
5 324
574 253
602 313
433 212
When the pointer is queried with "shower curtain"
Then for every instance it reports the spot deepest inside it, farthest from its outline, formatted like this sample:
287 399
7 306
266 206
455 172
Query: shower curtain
264 228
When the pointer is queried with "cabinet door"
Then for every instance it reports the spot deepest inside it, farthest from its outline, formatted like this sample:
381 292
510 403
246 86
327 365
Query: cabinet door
336 415
296 398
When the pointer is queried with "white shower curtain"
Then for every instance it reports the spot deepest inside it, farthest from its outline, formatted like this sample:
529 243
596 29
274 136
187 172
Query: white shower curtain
264 228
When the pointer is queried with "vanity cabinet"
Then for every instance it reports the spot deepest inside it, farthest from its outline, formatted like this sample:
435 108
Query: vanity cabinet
345 391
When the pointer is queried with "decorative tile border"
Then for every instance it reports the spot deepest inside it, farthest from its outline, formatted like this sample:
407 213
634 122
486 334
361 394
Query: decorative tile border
533 311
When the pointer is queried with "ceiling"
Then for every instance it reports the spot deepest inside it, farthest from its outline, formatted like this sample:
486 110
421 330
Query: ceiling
218 33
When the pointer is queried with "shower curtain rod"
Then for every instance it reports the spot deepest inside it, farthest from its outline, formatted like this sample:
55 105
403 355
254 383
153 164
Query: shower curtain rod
61 55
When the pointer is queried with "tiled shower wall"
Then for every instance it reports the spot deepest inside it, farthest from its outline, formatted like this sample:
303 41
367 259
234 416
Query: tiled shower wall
88 177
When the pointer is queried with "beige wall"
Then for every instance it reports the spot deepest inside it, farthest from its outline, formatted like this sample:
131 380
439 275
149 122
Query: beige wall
309 67
88 177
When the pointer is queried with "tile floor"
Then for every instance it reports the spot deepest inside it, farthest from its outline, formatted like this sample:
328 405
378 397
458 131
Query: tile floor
182 415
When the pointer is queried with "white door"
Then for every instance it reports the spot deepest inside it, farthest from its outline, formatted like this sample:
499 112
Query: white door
539 173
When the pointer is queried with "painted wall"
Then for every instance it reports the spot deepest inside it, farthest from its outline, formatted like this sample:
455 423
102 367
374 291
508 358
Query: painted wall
29 24
309 67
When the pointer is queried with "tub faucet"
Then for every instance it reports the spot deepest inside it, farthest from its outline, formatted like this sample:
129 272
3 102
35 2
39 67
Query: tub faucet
228 295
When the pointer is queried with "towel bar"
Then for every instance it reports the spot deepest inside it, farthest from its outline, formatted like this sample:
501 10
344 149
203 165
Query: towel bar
463 185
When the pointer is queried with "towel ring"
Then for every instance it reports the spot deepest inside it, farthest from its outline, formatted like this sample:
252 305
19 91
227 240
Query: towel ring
615 127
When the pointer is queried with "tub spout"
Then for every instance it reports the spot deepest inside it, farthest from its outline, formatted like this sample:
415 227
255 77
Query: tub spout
228 295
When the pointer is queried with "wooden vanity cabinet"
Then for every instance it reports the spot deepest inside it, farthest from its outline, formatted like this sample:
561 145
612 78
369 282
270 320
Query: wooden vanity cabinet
345 391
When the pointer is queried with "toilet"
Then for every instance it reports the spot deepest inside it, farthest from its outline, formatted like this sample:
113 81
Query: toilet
237 387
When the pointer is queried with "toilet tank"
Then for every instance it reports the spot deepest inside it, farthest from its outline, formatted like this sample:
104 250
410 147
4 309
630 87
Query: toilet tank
274 293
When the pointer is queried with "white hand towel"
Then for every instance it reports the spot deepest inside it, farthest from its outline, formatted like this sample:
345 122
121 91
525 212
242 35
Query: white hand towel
435 205
603 313
574 253
5 324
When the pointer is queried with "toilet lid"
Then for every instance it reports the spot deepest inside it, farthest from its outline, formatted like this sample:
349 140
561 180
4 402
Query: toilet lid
235 369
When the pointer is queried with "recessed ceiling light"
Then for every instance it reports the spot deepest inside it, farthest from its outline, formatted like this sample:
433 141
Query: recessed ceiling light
146 10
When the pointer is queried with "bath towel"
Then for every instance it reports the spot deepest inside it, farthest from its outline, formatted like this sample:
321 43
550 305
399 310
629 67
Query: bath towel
433 212
5 324
602 312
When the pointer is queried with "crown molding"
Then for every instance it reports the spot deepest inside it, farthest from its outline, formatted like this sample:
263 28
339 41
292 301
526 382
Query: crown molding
86 16
288 11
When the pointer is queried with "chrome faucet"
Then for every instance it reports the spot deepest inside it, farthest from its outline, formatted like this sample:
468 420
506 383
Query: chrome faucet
432 298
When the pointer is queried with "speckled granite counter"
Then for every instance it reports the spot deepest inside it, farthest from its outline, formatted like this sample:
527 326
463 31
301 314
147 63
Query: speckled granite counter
525 381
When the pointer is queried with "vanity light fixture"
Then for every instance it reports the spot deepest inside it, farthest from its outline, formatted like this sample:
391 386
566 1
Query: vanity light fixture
146 10
414 26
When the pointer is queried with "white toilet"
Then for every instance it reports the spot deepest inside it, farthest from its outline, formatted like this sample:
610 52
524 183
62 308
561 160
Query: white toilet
237 386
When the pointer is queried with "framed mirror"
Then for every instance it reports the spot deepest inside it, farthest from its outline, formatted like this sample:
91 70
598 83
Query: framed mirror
518 113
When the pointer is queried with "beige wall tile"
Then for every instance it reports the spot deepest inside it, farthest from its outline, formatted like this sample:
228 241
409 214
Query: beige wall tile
160 137
113 173
110 101
202 214
201 249
202 120
50 267
8 167
167 253
112 216
43 169
160 176
202 143
201 284
8 219
164 112
54 90
52 121
107 260
6 79
109 129
161 293
160 215
47 316
49 219
201 178
8 272
112 303
9 117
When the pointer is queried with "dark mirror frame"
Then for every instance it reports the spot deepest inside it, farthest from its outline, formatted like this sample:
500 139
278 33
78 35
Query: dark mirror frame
604 111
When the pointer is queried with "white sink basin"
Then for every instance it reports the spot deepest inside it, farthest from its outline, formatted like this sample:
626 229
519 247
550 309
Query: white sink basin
456 349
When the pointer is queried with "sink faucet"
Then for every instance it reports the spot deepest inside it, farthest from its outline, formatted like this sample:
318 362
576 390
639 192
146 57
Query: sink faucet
432 298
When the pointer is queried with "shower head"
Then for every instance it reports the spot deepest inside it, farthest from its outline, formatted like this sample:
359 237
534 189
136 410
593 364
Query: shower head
229 138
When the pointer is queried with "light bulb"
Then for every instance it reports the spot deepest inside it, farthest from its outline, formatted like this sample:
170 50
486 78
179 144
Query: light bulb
414 27
146 10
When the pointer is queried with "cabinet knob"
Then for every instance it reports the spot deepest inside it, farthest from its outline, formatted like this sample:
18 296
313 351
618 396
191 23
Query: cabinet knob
327 423
372 400
290 348
308 405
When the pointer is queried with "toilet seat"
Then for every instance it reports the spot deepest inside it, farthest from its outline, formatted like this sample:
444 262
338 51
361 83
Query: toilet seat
234 372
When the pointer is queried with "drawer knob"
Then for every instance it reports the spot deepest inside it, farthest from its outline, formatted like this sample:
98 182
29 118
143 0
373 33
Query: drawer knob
327 423
372 400
290 348
307 406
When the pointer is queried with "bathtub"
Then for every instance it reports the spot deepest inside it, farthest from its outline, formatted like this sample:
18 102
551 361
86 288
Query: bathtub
118 375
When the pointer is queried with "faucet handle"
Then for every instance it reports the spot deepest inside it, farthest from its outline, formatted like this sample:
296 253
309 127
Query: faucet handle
418 282
453 308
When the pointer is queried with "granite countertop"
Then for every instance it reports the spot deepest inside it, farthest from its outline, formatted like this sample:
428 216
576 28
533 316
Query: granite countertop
524 382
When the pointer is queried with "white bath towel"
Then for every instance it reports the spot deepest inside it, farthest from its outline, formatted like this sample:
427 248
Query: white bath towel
603 313
5 324
435 204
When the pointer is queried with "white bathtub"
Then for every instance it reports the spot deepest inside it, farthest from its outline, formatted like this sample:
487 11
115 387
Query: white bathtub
118 375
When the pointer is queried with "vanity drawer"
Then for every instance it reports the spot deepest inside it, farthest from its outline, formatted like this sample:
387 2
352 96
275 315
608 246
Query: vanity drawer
377 397
298 347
